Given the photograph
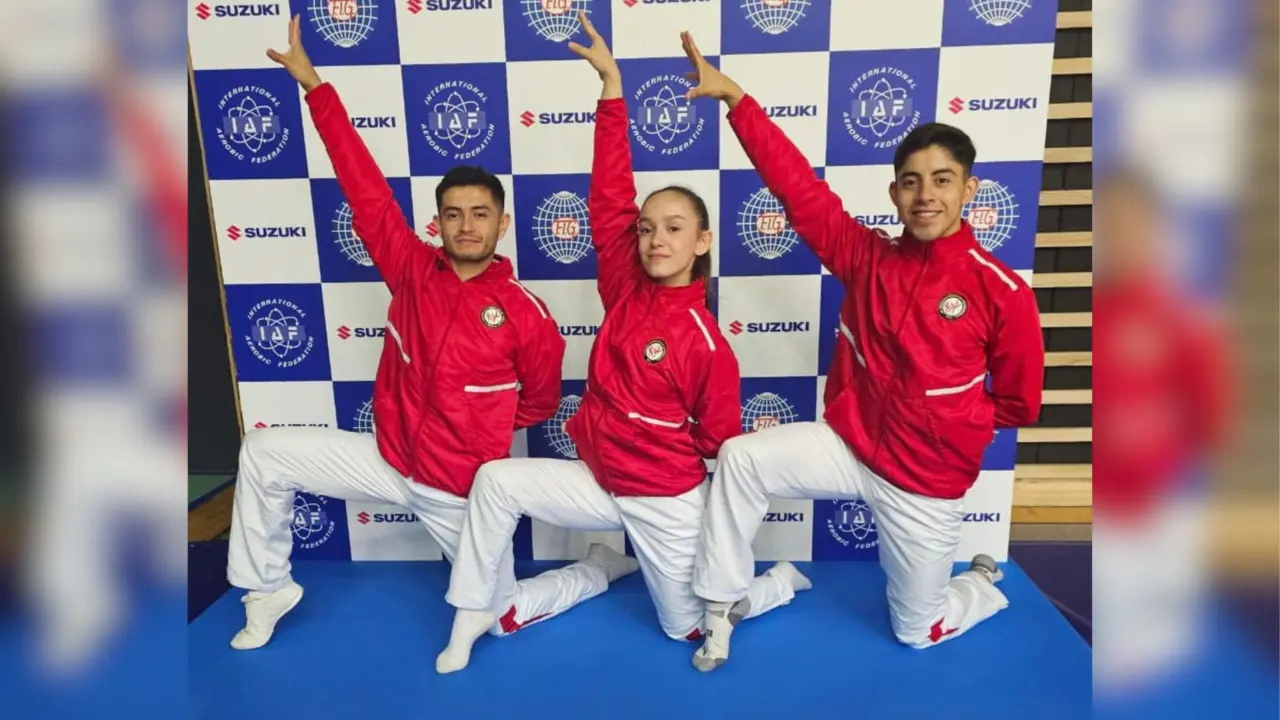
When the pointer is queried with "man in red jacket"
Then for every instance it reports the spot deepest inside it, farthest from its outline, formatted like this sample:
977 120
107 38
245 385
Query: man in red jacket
927 316
470 356
1166 387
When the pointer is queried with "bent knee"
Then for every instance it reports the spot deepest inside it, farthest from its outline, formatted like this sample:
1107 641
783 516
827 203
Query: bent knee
915 640
491 486
921 635
488 478
736 447
261 442
487 473
684 625
265 445
739 451
691 635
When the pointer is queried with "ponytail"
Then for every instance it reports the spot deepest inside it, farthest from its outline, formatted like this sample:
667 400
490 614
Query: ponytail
702 271
701 263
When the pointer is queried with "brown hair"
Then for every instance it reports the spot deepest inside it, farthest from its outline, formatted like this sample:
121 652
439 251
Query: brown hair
701 263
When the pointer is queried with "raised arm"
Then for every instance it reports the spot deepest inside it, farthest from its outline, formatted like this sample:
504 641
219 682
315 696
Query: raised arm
611 202
817 214
376 217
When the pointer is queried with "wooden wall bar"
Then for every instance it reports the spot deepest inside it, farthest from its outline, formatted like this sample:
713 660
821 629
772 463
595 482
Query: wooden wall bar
1053 488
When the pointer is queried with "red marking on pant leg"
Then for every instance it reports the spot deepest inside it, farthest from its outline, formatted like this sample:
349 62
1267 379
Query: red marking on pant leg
936 632
509 624
696 634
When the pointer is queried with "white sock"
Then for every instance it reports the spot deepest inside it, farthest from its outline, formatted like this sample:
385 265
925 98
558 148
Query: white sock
790 575
615 564
721 618
468 626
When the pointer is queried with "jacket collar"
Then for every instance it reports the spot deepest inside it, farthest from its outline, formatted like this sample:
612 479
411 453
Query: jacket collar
680 298
498 271
957 242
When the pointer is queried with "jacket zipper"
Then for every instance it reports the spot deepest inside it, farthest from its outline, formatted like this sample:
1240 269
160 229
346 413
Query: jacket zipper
897 333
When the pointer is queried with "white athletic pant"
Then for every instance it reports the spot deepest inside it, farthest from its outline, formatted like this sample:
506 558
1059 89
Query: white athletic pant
663 530
1150 580
918 535
275 463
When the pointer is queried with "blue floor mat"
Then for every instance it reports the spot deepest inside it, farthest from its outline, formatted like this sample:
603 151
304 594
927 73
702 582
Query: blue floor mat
364 639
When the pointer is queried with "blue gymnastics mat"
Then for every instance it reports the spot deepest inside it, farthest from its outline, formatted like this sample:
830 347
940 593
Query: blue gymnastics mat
363 642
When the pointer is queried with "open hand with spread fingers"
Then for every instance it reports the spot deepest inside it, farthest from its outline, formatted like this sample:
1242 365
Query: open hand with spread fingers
598 54
295 59
711 82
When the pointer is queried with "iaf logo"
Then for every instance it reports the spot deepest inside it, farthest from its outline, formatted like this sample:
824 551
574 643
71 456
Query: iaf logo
852 525
278 333
252 129
882 111
312 526
664 121
457 126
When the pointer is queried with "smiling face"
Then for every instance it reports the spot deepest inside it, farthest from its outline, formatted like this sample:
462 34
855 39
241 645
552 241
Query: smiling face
673 234
471 223
930 191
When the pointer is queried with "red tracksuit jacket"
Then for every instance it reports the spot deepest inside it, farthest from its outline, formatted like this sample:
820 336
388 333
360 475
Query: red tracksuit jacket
464 364
1165 390
663 387
925 323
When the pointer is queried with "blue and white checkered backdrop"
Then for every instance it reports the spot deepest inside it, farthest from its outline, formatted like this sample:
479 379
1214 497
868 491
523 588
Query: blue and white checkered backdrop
435 83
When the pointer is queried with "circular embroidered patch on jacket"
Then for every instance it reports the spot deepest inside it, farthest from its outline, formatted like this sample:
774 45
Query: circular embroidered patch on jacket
655 351
493 316
952 306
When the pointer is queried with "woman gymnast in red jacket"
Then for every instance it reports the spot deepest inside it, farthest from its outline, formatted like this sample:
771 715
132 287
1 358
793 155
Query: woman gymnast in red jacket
662 394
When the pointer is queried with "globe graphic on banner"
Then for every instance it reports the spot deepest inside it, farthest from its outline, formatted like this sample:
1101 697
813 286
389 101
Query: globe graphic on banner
999 13
345 23
993 214
765 411
555 20
763 228
561 227
364 419
344 236
556 436
774 17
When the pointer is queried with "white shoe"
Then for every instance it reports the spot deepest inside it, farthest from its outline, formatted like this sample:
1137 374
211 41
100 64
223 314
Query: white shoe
985 565
262 611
